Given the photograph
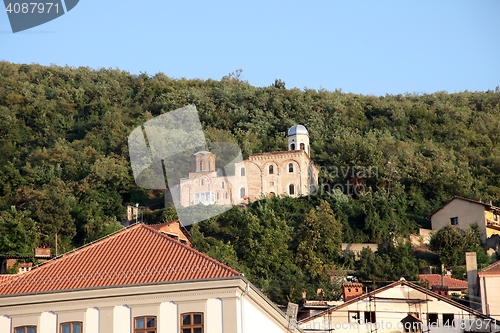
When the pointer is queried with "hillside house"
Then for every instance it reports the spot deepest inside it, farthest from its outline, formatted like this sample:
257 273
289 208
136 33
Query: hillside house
463 212
400 307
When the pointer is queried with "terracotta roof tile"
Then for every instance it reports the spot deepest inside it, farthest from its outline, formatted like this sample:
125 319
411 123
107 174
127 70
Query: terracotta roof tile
493 269
452 283
6 277
135 255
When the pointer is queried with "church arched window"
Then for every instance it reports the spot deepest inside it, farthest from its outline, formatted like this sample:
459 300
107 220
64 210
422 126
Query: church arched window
242 192
290 167
271 169
291 189
242 172
292 146
302 146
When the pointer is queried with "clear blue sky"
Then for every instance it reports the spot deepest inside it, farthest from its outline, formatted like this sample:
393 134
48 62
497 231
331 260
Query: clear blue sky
366 47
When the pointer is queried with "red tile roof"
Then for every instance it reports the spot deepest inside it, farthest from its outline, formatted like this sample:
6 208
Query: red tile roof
135 255
6 277
493 269
451 283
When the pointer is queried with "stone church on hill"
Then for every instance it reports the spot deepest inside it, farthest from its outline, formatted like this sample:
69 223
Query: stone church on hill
290 172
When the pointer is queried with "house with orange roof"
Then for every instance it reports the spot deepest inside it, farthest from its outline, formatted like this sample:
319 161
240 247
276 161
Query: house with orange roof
463 212
136 280
399 307
172 229
489 289
444 284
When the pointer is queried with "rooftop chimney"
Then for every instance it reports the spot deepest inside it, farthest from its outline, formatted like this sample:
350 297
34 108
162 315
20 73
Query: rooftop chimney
352 290
472 280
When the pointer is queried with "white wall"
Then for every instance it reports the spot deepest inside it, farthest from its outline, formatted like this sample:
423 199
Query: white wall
168 321
121 319
490 295
214 315
48 322
91 321
468 213
5 326
255 321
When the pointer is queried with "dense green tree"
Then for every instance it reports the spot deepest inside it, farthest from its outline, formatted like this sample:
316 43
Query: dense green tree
18 232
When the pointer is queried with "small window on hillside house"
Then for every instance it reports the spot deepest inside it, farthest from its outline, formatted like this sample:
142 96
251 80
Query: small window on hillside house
454 221
448 320
370 317
354 317
432 319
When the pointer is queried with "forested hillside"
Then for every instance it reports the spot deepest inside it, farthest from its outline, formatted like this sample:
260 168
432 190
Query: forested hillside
64 164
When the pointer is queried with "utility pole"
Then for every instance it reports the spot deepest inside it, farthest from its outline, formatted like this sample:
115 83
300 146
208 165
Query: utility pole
136 212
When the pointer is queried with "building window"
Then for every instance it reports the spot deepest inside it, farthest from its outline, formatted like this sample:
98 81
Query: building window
192 323
202 182
222 185
271 169
448 319
292 146
291 189
206 198
217 195
242 192
226 195
454 221
370 317
201 166
146 324
302 146
74 327
25 329
242 172
290 167
354 317
271 184
432 320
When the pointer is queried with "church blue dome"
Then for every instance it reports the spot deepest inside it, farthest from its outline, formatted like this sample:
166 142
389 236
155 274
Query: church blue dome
297 129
